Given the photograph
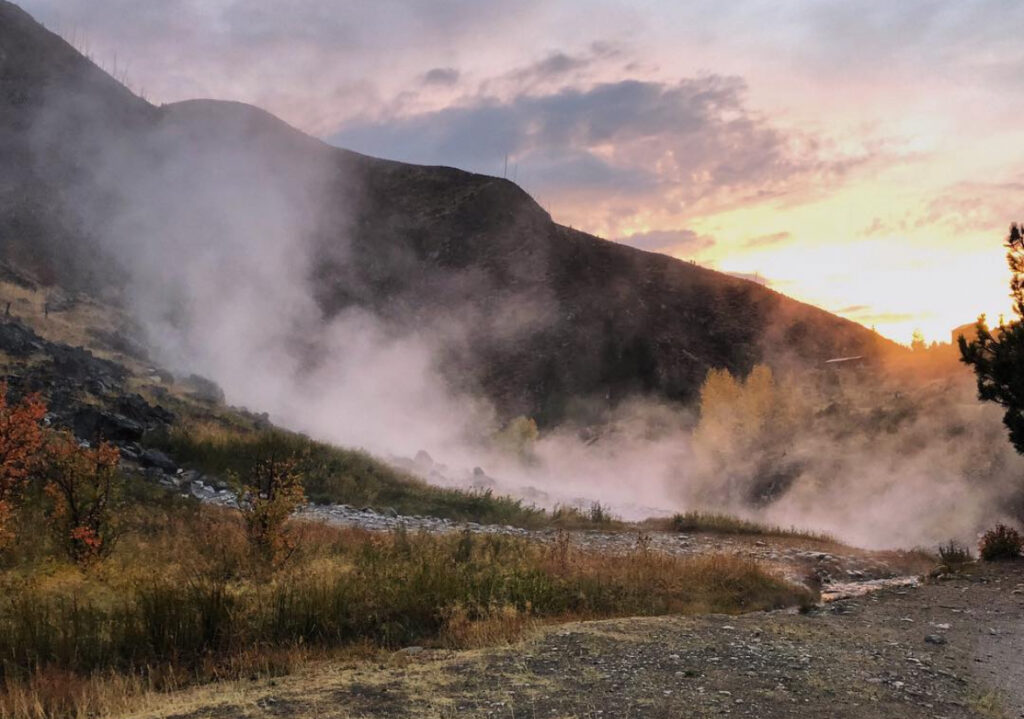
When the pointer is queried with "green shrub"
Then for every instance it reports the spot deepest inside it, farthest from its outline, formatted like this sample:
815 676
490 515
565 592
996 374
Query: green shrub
596 517
1002 542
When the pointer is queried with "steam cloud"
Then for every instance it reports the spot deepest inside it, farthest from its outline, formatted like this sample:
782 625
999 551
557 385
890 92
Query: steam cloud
216 221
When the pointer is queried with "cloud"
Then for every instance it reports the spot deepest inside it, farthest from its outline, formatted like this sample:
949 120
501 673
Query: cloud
768 240
558 66
689 141
289 59
441 76
978 208
866 317
554 65
675 242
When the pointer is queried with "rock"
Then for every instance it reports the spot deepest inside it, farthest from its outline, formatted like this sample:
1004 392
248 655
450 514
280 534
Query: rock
79 364
424 460
121 342
156 458
201 492
18 340
411 651
137 409
130 451
155 474
162 375
935 639
91 423
204 390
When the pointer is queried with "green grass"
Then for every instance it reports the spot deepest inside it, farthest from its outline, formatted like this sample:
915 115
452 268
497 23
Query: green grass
596 516
341 476
697 522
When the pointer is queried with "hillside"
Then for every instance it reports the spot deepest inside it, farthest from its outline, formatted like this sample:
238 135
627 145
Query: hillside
103 192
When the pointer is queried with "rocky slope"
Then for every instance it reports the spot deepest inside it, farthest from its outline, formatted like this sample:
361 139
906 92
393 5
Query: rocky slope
546 316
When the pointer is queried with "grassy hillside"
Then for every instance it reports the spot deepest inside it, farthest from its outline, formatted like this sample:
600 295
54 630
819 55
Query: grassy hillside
339 476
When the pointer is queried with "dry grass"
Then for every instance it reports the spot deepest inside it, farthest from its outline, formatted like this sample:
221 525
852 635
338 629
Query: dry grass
498 625
181 601
72 326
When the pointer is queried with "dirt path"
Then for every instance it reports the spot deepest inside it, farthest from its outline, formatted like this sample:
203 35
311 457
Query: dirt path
948 649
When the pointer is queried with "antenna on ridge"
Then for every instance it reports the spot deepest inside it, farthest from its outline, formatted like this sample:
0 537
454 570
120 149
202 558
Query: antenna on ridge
505 173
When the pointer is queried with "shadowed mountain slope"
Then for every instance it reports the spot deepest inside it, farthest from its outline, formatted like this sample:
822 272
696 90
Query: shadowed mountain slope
541 318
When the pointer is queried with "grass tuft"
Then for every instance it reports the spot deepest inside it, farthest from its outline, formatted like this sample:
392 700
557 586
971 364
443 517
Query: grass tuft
954 555
696 522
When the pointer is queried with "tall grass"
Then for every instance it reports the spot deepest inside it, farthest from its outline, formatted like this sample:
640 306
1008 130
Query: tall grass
181 600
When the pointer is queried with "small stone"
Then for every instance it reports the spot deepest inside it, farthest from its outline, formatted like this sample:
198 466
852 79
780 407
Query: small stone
935 639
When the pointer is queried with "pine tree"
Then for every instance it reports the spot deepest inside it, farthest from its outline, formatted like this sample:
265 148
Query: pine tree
997 355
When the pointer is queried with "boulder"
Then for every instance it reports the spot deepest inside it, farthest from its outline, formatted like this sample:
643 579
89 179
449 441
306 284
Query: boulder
156 458
79 364
130 451
137 409
18 340
92 423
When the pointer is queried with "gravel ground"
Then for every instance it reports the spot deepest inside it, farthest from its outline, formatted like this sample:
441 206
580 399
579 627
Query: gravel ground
838 570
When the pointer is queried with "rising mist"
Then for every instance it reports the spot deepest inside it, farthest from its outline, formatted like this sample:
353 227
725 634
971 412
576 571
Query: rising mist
218 221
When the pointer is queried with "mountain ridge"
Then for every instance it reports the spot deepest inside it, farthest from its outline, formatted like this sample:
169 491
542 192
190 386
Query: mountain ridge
540 318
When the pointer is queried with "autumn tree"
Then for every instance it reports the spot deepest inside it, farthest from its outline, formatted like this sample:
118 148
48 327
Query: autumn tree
21 439
519 437
997 356
917 342
743 438
270 492
84 487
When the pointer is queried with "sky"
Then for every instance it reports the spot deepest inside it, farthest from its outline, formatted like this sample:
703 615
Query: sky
866 157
